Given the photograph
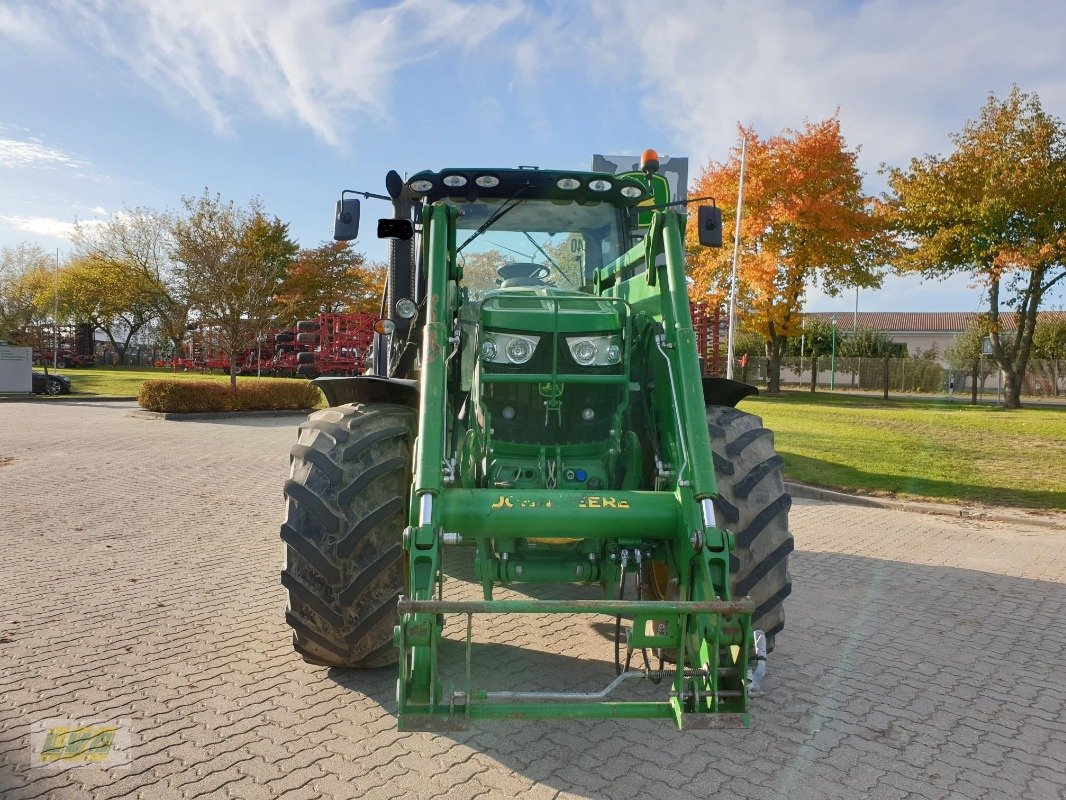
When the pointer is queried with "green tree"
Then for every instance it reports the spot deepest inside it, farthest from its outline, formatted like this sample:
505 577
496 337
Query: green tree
230 264
994 208
1049 344
866 342
113 299
1049 339
138 243
27 290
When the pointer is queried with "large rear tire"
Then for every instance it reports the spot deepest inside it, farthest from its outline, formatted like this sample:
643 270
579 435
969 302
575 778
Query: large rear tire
753 504
346 507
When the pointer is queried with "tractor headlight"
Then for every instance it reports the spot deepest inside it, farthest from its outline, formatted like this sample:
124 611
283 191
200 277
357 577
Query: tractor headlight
595 351
508 348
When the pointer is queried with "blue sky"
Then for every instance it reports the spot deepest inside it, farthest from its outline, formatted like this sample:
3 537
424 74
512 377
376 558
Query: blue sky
113 103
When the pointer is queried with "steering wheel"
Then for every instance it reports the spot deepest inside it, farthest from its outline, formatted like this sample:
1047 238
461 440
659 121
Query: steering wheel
523 269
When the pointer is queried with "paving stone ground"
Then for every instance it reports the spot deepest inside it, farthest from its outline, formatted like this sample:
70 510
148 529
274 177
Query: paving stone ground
923 656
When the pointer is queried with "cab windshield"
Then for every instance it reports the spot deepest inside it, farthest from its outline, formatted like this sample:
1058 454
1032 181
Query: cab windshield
535 242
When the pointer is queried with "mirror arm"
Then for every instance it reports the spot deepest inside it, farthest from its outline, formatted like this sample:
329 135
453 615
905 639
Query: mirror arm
366 195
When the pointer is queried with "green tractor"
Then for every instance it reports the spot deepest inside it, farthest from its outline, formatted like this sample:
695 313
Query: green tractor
535 395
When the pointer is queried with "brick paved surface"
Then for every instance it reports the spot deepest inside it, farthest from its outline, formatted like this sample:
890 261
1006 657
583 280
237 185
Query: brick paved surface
139 560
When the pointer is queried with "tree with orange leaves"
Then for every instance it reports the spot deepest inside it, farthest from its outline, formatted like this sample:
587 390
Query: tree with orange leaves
995 208
331 278
805 219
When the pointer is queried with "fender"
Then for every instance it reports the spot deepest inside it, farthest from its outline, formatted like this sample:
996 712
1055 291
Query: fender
726 392
369 389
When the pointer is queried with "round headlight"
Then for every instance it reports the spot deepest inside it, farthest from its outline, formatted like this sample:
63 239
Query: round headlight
455 181
519 351
568 183
631 191
588 415
487 181
421 186
600 185
584 352
508 412
406 308
488 349
613 354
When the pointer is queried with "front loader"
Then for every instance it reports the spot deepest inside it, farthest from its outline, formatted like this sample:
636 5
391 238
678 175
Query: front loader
535 397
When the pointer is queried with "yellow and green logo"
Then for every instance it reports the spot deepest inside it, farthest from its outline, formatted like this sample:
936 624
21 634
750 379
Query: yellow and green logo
86 744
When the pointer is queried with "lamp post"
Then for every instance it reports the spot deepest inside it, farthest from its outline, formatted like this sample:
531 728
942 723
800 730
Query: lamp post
55 319
833 358
730 337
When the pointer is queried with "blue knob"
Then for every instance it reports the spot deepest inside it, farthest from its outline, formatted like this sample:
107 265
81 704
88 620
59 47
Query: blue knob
580 475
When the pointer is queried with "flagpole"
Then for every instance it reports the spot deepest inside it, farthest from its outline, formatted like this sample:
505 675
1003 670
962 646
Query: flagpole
730 336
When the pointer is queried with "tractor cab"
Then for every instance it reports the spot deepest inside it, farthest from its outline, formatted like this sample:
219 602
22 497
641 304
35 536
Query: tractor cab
544 357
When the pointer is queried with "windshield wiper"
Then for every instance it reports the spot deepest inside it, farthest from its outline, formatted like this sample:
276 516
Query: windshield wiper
551 260
494 218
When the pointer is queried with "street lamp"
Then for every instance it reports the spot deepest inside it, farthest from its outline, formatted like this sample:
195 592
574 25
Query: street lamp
833 358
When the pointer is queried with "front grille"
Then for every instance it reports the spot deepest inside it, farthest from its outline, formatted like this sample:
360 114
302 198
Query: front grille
530 425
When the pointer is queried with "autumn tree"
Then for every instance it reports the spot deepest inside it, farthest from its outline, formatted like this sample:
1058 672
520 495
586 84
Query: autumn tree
479 268
994 208
138 243
27 290
112 299
230 263
805 220
329 279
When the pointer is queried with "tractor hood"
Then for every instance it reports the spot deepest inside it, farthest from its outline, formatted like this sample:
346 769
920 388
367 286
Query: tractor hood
547 309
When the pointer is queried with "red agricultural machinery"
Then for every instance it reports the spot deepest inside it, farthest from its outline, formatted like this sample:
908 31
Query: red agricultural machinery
329 344
65 346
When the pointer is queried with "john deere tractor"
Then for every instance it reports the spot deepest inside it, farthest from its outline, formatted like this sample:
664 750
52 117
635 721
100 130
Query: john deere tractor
535 397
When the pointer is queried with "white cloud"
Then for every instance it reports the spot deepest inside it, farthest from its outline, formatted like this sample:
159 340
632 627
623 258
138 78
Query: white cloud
313 62
23 24
16 153
903 74
51 227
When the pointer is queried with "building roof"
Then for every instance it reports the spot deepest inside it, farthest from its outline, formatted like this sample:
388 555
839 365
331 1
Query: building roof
921 321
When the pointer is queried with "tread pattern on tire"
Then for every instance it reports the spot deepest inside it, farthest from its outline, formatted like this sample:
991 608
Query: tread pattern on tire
346 502
754 505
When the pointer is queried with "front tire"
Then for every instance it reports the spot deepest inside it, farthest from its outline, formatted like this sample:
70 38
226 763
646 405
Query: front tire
346 508
752 502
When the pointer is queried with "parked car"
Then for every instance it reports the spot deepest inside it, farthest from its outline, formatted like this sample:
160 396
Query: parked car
50 384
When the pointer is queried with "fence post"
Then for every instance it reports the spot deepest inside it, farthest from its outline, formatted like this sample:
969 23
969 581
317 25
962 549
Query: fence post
973 382
814 371
885 381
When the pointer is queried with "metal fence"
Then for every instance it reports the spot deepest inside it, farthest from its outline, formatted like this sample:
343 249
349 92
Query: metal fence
904 376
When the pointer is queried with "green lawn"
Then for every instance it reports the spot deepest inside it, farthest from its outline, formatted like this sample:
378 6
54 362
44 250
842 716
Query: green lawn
122 381
920 448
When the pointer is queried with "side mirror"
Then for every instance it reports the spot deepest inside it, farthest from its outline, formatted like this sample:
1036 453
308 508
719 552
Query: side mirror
395 229
346 223
709 219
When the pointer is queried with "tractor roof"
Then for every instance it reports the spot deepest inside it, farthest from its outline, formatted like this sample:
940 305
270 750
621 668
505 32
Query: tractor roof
527 183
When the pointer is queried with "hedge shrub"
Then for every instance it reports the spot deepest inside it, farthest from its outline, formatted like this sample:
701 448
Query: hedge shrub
251 394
